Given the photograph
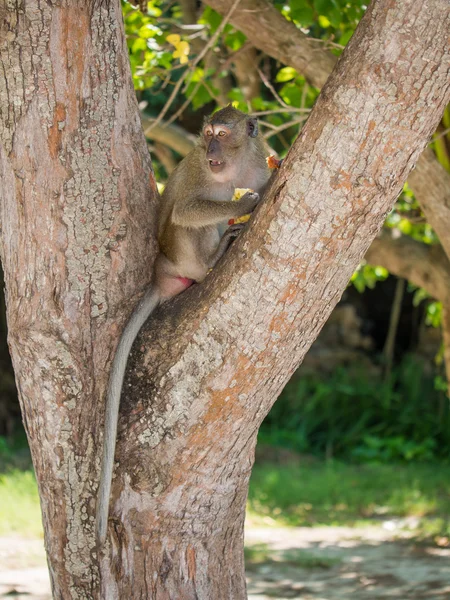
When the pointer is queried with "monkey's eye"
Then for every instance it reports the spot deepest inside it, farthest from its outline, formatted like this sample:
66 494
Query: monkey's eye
208 132
222 133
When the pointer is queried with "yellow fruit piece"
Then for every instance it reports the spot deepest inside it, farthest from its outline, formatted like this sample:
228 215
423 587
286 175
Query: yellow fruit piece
243 219
239 192
237 195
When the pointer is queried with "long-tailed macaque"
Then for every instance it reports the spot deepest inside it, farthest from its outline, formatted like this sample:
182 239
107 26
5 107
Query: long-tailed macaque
192 236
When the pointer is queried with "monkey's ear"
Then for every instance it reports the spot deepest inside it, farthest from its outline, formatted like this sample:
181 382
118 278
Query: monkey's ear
252 126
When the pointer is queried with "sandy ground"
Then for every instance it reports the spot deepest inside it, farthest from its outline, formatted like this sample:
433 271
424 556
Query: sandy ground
306 563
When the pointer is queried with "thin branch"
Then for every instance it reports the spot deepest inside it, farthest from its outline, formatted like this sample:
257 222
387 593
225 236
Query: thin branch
440 135
272 89
277 111
173 136
183 107
396 309
275 130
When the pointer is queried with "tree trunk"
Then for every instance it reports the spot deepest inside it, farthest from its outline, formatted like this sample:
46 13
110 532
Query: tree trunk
77 244
209 365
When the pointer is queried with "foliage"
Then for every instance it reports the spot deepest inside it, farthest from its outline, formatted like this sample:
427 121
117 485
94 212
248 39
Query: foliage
19 498
367 276
19 504
331 20
356 416
164 49
334 493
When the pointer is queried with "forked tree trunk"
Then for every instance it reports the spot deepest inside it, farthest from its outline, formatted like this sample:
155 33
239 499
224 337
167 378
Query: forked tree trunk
77 223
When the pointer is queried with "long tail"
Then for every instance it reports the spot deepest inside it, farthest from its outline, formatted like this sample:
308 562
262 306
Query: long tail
141 313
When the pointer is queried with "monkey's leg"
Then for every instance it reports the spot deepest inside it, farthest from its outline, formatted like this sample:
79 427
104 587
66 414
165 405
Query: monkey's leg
230 234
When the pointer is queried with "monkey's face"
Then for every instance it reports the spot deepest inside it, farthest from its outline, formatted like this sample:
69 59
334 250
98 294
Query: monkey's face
217 139
226 149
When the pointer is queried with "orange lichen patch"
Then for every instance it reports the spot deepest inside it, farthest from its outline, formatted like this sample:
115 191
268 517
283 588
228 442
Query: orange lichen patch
191 562
74 33
224 400
341 180
370 128
279 324
54 136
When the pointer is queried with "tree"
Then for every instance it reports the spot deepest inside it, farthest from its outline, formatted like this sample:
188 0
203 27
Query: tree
78 238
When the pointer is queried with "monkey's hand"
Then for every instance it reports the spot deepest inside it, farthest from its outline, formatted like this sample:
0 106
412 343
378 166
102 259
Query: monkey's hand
248 199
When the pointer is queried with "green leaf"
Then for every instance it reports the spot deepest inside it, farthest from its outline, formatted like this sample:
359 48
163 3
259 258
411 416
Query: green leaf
148 31
286 74
303 15
235 40
212 18
291 94
138 45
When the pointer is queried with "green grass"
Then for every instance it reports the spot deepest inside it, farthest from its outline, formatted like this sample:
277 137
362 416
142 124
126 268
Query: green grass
19 504
344 494
304 493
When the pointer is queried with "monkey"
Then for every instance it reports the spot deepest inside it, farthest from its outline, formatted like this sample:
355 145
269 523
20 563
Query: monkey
192 237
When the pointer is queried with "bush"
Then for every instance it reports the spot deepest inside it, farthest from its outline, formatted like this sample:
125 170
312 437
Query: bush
354 415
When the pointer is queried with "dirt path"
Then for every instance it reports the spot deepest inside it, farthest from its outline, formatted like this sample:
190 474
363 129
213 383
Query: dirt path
305 563
342 563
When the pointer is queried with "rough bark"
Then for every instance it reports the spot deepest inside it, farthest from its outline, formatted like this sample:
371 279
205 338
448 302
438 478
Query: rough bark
73 171
77 243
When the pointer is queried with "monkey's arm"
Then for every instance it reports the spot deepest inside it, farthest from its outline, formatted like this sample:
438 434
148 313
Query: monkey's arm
198 212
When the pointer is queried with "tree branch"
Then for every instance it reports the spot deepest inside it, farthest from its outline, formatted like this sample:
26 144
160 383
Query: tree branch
430 183
270 32
425 266
173 136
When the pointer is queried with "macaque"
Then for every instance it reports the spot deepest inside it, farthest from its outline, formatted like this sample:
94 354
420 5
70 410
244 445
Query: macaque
193 236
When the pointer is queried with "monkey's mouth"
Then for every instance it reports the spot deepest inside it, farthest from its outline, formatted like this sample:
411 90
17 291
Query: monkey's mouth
215 164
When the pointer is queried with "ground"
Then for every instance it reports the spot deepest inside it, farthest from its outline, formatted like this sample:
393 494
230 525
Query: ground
316 563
